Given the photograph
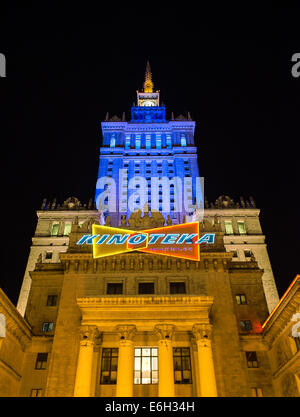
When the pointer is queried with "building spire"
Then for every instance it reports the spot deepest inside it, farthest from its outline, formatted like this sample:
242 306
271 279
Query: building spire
148 84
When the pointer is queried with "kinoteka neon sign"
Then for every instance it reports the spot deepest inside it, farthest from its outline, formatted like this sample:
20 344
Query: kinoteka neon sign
181 241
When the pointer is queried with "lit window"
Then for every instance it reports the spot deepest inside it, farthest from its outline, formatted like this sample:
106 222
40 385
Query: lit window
127 142
112 143
47 326
245 325
158 141
109 366
228 227
36 392
41 361
182 366
67 229
256 392
169 142
241 227
54 230
138 142
51 300
146 365
183 140
251 358
241 299
148 142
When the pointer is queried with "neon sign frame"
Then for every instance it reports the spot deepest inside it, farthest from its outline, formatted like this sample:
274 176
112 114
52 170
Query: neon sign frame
183 241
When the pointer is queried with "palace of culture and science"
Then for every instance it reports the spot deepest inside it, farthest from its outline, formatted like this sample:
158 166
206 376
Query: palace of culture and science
135 323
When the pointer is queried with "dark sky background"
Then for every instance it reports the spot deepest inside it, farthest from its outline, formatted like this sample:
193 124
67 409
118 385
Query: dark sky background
229 67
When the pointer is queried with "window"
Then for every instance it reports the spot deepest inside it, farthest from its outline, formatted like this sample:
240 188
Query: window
245 325
158 141
114 288
182 366
127 142
112 143
228 227
241 299
67 229
138 142
256 392
247 253
235 255
36 392
47 326
146 287
251 360
54 230
169 142
109 366
183 140
41 361
51 300
146 365
177 288
241 227
48 255
148 142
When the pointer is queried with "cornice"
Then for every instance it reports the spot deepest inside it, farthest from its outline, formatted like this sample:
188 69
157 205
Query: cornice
280 317
163 300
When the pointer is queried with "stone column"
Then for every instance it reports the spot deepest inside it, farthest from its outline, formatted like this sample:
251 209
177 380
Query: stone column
202 333
125 361
83 379
165 360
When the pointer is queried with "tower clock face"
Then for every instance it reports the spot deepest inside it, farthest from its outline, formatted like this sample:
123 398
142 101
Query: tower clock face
148 103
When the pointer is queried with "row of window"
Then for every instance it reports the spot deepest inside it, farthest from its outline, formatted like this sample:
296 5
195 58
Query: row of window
229 228
55 229
227 224
146 365
147 143
146 288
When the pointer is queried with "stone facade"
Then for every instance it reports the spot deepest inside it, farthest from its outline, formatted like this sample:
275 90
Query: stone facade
206 319
80 284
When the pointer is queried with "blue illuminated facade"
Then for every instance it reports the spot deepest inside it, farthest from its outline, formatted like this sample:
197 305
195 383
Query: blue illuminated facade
147 149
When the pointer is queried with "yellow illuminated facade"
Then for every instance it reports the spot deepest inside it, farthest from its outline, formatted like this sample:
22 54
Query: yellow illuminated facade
138 324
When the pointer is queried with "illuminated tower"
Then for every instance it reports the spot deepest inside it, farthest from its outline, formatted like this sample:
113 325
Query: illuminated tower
148 160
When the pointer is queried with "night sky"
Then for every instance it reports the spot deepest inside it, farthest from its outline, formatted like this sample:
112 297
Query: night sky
229 67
